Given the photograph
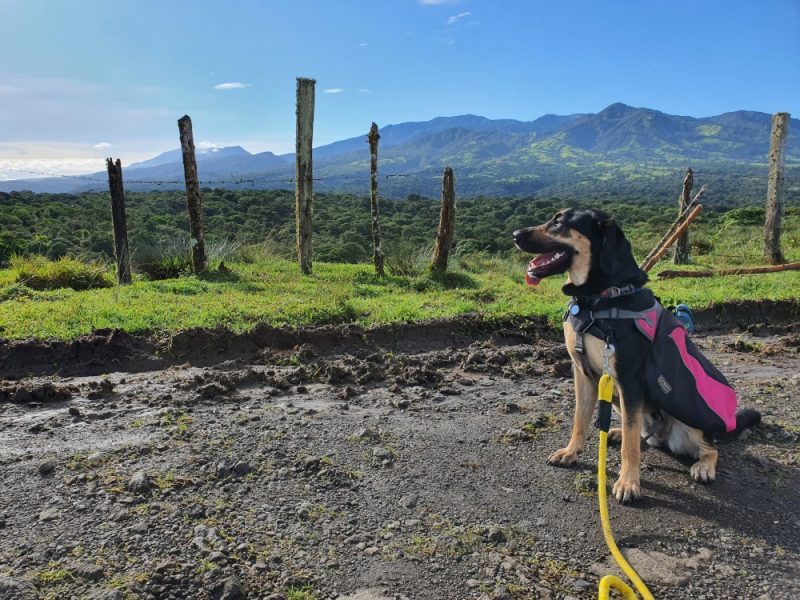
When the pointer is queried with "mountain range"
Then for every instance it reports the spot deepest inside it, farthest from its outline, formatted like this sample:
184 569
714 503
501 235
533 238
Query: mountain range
620 150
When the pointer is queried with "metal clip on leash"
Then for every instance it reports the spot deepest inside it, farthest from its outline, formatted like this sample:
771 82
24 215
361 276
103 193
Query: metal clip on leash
605 391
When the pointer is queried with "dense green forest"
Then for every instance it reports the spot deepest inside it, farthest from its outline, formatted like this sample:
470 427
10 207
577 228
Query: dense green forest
55 225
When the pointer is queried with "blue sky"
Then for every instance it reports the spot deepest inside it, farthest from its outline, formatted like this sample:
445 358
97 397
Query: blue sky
85 79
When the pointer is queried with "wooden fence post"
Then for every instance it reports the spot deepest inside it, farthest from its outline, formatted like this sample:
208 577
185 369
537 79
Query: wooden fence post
444 237
121 252
304 178
377 252
193 198
682 245
775 189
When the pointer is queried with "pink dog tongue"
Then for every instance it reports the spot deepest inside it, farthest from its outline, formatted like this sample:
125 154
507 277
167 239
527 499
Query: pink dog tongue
531 279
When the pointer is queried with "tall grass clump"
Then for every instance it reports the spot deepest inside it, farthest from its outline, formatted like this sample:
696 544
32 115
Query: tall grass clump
405 259
171 258
40 273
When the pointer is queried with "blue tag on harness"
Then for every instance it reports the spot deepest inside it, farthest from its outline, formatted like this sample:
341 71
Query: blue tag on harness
574 309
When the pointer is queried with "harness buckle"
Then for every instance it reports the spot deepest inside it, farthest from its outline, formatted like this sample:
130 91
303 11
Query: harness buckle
579 342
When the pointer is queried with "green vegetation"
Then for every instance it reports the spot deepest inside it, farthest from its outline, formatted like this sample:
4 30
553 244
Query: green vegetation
261 284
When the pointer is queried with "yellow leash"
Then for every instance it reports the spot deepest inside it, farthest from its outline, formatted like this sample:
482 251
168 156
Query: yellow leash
604 393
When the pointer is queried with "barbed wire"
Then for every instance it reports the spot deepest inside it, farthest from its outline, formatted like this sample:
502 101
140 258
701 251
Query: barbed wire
236 180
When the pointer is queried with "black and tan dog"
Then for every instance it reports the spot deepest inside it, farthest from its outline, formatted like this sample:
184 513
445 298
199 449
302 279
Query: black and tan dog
604 277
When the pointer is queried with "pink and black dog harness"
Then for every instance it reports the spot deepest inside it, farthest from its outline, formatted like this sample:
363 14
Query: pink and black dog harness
681 381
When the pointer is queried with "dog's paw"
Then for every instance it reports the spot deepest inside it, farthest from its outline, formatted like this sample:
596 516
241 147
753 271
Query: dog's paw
703 471
627 490
563 457
615 435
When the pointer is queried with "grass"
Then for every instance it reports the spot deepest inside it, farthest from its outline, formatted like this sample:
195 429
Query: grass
271 290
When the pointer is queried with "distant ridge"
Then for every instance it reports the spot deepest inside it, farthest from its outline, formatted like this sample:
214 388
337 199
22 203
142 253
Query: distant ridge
553 154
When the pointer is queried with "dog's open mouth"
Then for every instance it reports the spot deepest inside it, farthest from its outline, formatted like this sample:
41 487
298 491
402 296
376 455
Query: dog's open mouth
549 263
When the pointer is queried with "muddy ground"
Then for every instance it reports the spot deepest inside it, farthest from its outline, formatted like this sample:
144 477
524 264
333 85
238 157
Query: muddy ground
408 463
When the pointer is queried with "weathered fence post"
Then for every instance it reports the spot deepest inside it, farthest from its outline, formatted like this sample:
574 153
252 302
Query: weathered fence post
377 252
304 178
682 245
193 198
121 252
775 189
444 237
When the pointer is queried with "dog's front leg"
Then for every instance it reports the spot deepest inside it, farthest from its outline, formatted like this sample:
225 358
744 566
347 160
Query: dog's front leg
628 487
585 399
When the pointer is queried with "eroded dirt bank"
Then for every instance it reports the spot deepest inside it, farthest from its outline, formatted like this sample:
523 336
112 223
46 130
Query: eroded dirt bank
406 462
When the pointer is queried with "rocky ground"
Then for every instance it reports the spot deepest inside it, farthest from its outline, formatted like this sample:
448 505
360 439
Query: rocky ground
398 466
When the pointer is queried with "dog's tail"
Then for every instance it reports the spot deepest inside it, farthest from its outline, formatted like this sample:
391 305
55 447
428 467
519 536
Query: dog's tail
745 418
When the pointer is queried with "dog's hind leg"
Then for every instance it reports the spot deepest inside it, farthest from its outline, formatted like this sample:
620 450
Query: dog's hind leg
628 487
585 399
690 441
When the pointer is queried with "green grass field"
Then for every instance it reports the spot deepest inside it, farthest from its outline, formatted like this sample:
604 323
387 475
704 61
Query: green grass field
273 291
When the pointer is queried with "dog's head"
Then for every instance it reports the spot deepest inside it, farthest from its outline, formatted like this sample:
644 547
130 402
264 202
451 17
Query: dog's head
587 244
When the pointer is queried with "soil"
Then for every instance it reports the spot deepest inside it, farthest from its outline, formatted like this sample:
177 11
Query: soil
397 462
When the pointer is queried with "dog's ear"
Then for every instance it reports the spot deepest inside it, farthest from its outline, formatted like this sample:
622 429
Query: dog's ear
613 239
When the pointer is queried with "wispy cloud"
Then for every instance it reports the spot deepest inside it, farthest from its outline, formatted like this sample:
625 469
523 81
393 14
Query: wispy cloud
363 45
232 85
102 146
207 145
333 91
456 18
434 2
364 91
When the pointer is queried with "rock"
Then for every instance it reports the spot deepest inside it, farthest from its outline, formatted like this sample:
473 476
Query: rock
48 514
366 433
656 567
16 589
88 571
46 468
106 595
494 534
229 589
242 468
139 483
368 594
409 501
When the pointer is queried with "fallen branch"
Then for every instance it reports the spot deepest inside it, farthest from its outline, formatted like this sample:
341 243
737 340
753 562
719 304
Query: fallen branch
677 223
795 266
648 263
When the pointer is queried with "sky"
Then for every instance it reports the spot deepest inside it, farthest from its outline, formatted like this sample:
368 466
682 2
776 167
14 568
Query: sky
84 79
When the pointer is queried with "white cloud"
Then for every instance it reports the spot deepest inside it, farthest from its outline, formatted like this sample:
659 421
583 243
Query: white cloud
333 91
207 146
454 19
44 167
102 146
363 45
232 85
364 91
434 2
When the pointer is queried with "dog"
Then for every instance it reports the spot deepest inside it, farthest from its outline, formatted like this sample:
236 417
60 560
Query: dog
614 324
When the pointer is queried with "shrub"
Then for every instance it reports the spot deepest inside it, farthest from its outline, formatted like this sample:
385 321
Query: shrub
39 273
263 252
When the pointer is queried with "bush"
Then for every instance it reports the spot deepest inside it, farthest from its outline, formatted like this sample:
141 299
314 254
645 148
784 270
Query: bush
266 251
39 273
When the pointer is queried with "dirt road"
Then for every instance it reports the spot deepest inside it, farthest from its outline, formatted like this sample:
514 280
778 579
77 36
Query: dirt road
409 464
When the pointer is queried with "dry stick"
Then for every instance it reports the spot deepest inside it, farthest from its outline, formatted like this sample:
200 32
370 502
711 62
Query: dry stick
682 246
377 253
120 227
677 223
444 237
671 240
795 266
775 189
304 177
193 199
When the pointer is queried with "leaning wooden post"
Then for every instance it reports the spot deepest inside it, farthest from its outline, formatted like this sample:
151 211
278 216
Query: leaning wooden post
121 252
775 189
682 245
444 237
304 179
377 253
193 198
